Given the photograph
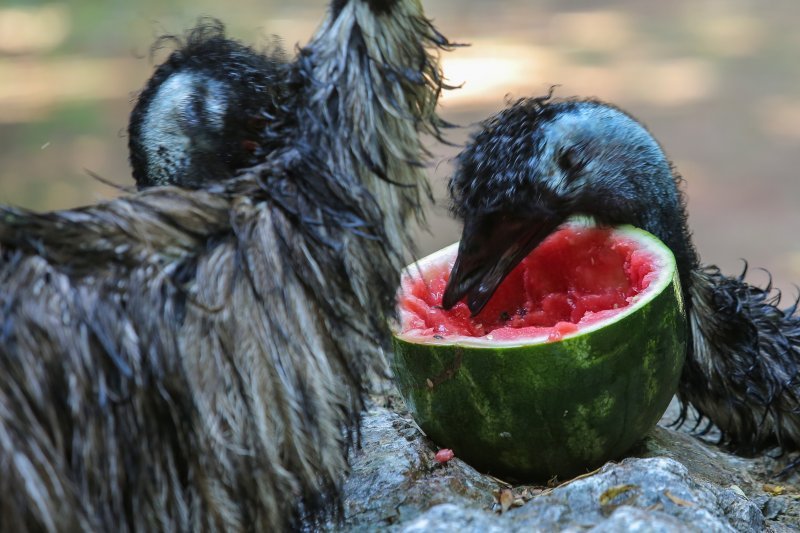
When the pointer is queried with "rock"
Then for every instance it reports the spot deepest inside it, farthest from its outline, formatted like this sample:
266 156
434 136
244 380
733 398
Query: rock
448 517
672 482
659 489
394 479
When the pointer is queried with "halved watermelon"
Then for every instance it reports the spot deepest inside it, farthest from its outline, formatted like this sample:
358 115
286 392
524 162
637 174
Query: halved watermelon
572 361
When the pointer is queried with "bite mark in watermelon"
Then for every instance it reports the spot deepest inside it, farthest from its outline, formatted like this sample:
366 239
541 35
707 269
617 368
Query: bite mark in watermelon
571 362
577 277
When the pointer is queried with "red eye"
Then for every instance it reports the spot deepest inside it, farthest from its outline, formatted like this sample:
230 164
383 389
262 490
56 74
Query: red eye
250 146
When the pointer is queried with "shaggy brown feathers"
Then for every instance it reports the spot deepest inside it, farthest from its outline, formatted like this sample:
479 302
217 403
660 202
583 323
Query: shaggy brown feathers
196 359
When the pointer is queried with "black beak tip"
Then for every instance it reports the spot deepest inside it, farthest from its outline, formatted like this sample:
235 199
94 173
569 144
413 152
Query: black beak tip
451 297
476 303
475 299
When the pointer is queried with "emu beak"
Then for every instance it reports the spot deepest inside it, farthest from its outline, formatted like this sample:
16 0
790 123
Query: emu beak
491 246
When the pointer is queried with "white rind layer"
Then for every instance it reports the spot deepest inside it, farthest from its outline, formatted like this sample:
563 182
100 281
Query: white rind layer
663 260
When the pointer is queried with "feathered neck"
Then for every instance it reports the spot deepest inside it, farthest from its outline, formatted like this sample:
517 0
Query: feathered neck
370 80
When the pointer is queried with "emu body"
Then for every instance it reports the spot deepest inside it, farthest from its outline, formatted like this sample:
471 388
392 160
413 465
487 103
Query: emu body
196 359
540 161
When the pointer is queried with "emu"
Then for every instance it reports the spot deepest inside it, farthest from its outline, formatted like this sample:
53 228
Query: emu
539 161
195 356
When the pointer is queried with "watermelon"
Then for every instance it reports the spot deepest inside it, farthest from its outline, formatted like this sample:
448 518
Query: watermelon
572 361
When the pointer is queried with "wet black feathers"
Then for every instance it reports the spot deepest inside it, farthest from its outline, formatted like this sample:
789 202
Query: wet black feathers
589 158
742 370
255 87
491 171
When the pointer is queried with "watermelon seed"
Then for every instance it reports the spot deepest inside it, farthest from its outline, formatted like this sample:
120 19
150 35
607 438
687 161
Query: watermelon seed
438 337
504 316
522 311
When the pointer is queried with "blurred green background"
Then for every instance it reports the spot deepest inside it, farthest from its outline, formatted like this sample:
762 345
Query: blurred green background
718 83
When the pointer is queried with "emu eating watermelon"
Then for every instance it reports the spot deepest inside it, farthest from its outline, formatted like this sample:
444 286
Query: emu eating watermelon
571 362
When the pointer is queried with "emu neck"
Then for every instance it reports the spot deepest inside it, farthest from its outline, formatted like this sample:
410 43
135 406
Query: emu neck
644 191
663 213
372 80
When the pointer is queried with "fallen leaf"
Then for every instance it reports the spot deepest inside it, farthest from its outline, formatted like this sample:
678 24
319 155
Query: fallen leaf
678 500
506 499
613 492
499 481
774 490
555 483
738 490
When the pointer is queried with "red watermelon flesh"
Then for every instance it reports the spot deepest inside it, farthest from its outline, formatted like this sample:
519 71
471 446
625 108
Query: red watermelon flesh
577 277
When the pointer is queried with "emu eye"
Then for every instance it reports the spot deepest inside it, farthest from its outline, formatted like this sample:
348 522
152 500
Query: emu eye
566 159
570 161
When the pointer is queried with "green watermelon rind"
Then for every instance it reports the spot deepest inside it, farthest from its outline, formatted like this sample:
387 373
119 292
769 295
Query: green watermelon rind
551 408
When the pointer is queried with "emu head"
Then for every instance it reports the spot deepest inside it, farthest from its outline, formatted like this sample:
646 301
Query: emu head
206 112
539 162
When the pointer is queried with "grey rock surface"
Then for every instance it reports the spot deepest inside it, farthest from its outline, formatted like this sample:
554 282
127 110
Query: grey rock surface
672 482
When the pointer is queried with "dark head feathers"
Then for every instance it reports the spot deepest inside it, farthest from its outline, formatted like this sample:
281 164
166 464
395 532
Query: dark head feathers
541 160
572 156
536 141
212 108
